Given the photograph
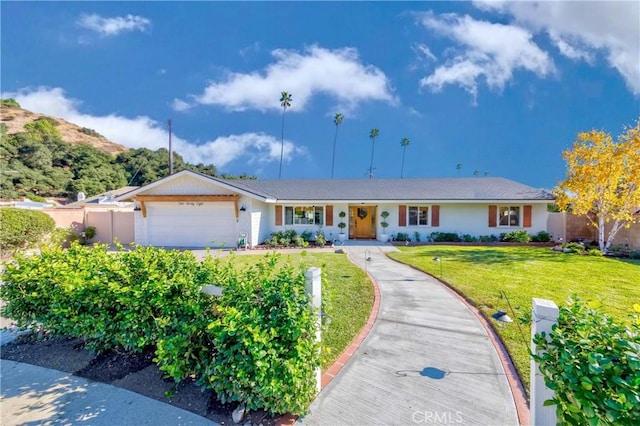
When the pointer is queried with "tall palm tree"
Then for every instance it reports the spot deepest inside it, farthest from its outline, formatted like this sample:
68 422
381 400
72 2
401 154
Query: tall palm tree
337 120
458 168
373 135
285 102
404 143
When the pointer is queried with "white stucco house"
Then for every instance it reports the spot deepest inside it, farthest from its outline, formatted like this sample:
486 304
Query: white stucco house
188 209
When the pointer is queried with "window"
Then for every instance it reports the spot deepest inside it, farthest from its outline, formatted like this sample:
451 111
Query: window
303 215
509 216
418 215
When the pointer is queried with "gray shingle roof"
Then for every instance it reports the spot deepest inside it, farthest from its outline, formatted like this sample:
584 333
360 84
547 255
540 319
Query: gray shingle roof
433 189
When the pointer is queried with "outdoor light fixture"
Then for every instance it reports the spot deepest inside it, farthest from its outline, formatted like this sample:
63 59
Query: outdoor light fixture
438 260
501 316
243 209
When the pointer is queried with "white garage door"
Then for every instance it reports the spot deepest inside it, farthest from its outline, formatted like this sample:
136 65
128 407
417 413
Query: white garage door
191 224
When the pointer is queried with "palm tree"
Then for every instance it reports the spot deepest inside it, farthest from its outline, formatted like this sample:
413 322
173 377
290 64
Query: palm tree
458 168
337 120
404 143
373 135
285 102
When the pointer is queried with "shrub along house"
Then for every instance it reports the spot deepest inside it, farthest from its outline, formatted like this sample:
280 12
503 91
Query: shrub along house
188 209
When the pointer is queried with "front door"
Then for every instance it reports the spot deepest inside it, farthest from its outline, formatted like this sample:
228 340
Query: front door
362 220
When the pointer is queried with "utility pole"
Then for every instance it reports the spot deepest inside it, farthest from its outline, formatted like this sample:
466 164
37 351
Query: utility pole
170 150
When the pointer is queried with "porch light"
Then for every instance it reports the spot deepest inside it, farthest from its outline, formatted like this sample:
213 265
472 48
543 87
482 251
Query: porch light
243 209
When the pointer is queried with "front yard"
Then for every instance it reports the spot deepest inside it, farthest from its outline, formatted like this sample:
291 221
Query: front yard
522 273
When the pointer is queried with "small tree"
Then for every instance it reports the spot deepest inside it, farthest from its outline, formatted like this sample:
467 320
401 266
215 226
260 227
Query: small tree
342 225
603 181
384 222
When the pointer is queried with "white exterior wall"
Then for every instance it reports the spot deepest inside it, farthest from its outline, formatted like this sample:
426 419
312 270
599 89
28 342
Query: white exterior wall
469 218
260 230
188 185
140 228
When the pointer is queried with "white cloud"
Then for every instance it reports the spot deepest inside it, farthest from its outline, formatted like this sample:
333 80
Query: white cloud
337 73
180 105
491 51
113 26
144 132
607 27
422 50
571 49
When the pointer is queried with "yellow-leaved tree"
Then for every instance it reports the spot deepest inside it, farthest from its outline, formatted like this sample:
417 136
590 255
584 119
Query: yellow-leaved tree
603 181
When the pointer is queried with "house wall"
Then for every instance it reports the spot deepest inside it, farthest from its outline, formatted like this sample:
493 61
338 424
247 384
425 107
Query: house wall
140 228
260 229
187 185
462 218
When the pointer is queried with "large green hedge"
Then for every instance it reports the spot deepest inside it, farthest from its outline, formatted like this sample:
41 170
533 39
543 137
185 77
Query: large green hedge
20 228
592 363
254 345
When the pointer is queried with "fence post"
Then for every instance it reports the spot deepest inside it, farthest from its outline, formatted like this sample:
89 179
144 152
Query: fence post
314 288
545 316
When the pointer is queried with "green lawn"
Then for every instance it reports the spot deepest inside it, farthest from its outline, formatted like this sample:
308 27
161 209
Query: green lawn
347 296
479 273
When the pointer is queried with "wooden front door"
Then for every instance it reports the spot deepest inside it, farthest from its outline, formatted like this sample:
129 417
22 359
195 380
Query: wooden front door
362 220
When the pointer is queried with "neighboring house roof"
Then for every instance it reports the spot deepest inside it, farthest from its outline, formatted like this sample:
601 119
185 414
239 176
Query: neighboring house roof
333 190
104 199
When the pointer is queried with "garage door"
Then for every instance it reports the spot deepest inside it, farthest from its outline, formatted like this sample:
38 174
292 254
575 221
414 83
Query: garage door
191 224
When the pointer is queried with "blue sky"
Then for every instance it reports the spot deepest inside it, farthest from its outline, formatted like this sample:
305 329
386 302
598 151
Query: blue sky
501 88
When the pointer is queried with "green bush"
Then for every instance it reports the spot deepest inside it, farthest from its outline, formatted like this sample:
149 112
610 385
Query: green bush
595 252
9 102
321 240
577 248
592 363
541 237
254 345
517 236
265 340
118 301
21 228
400 236
467 238
488 238
635 254
442 237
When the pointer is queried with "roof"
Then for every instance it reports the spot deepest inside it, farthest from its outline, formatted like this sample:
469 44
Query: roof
441 189
108 197
473 189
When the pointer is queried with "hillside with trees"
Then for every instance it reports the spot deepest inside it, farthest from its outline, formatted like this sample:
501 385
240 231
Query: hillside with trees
43 156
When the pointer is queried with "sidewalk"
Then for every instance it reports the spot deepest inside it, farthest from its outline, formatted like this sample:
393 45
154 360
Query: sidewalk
33 395
426 360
